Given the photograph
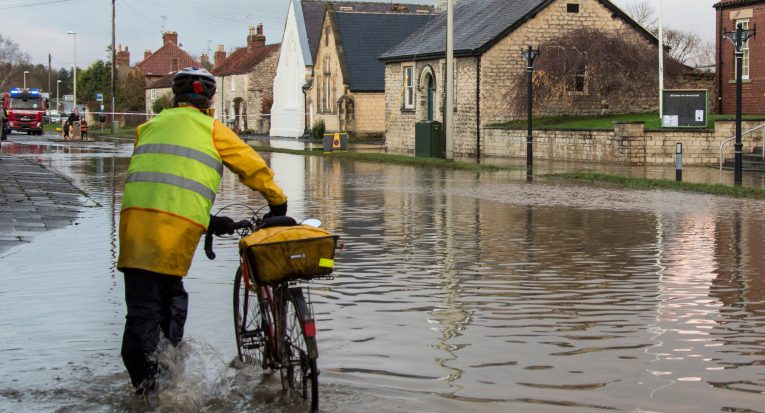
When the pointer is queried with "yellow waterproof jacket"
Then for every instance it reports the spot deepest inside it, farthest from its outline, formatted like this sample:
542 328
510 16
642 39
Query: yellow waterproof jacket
162 237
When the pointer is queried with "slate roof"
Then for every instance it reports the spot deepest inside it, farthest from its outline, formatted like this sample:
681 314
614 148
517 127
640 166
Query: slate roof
243 60
735 3
161 62
478 25
165 81
363 37
315 11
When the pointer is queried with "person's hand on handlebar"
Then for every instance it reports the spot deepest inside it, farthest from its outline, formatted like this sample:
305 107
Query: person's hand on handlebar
276 211
220 225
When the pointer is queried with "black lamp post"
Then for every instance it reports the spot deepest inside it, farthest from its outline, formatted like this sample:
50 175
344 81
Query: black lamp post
738 37
529 55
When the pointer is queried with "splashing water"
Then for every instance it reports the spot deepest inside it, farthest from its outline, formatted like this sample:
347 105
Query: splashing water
192 374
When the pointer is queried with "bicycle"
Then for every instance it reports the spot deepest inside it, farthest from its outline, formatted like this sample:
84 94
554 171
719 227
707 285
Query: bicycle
273 322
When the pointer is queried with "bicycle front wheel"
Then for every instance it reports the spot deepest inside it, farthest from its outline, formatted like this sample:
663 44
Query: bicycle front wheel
249 325
300 375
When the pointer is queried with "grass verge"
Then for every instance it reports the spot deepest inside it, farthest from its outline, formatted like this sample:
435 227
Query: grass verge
645 183
651 121
391 159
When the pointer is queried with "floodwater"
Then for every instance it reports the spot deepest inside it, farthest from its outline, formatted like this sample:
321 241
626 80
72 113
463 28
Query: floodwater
457 291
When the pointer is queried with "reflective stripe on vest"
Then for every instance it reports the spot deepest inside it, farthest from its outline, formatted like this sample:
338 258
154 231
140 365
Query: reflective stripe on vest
181 182
181 151
175 166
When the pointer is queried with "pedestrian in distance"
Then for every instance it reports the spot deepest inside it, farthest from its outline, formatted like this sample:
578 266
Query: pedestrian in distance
170 188
70 121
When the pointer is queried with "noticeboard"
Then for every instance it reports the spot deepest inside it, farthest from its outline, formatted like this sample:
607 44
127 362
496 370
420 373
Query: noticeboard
684 109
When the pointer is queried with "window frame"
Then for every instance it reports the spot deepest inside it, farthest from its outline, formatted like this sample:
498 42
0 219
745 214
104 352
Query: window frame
409 95
746 59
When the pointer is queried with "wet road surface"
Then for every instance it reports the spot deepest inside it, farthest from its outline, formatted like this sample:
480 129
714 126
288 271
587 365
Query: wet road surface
458 291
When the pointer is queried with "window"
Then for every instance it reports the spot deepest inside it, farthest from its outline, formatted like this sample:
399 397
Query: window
153 95
745 60
409 91
233 84
572 8
319 101
580 81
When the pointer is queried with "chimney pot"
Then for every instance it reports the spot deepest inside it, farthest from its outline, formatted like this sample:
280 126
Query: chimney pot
256 39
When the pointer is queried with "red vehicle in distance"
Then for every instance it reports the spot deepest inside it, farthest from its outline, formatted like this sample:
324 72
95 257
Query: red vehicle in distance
25 109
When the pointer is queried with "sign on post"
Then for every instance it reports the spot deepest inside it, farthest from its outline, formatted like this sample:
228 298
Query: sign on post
684 109
99 97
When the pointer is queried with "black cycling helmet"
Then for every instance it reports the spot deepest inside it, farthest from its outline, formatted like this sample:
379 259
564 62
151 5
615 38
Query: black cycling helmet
194 82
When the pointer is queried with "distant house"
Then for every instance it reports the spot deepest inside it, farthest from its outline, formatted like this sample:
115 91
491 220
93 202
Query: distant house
162 87
748 13
168 58
348 90
245 83
291 114
489 36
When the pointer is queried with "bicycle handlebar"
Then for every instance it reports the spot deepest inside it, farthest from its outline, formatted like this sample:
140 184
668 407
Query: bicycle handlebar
230 229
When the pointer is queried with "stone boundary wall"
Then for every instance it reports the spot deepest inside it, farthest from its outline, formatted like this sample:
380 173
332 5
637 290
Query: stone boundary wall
628 143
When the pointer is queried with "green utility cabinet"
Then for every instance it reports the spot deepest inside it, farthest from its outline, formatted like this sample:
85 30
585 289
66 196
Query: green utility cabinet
429 140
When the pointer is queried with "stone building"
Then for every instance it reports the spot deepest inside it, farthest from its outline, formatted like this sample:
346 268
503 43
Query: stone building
748 13
168 58
162 87
487 62
291 114
348 89
245 81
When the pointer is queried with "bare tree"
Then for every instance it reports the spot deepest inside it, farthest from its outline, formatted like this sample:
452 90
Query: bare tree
683 45
644 14
587 70
11 60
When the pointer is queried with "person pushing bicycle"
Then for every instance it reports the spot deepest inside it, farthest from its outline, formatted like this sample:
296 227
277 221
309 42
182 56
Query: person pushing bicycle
170 188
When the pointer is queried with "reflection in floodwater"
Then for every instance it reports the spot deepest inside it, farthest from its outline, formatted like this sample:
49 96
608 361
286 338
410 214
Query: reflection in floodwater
458 291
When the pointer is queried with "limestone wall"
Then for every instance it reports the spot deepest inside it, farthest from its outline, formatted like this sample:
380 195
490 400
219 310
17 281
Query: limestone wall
628 143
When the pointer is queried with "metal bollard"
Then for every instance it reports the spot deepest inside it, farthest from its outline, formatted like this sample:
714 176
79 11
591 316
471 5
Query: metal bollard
679 161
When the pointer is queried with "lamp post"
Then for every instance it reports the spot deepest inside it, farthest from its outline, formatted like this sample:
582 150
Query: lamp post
74 70
738 38
58 101
25 79
529 55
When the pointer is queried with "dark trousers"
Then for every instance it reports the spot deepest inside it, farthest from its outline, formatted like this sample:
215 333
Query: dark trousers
155 302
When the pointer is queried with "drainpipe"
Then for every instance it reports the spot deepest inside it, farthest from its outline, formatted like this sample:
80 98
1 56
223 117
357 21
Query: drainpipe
719 65
478 110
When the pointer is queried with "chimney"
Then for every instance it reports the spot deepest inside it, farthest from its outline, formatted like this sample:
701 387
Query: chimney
204 60
169 37
220 55
256 38
146 54
122 58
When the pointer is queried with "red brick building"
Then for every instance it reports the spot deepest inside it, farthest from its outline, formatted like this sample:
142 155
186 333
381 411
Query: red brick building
168 58
749 13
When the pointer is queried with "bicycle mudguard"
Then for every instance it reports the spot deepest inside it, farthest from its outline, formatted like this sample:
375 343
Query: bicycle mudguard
306 318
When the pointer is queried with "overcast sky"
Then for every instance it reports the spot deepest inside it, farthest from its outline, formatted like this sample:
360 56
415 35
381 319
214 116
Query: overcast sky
40 26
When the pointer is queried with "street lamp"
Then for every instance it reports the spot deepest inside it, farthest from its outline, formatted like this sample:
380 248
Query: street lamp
738 37
25 79
75 66
58 101
529 55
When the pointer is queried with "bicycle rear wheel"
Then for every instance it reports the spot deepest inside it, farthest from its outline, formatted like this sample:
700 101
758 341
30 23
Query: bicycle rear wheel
249 326
300 375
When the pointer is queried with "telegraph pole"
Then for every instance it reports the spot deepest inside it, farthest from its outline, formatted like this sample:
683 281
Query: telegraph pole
449 112
739 37
114 53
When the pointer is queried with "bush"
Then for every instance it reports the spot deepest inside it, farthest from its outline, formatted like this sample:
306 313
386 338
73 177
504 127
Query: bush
163 102
317 131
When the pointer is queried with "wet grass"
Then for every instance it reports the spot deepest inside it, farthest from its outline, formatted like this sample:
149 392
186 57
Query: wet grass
124 133
645 183
392 159
651 121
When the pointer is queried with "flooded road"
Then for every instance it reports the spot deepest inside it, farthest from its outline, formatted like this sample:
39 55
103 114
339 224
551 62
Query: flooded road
457 291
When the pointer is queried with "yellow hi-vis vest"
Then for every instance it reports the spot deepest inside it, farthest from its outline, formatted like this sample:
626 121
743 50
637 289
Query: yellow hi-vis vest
175 167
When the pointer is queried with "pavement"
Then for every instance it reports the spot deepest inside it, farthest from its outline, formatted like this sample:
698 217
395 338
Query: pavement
33 200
